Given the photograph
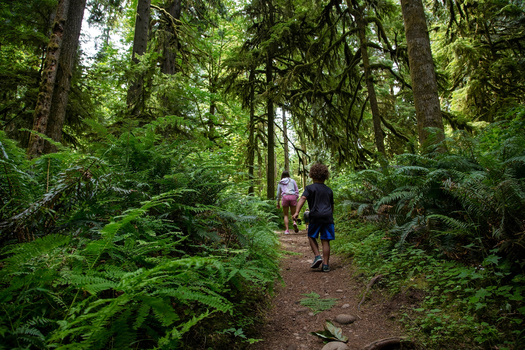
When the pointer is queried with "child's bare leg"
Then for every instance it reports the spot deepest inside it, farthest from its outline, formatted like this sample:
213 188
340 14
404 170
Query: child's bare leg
285 212
314 246
326 251
292 208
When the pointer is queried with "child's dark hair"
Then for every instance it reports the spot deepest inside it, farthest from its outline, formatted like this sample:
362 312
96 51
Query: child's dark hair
319 172
285 173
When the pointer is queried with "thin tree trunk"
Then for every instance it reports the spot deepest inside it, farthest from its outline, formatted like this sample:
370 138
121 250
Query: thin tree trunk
422 71
251 135
67 61
285 140
47 85
135 98
303 161
270 172
261 162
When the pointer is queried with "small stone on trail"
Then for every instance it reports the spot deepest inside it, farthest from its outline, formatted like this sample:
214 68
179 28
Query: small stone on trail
339 291
345 319
345 306
336 345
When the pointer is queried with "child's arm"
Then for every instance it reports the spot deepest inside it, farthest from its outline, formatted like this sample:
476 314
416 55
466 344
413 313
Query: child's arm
299 206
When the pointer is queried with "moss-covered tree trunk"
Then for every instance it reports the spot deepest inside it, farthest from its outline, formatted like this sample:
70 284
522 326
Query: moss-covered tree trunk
270 173
67 61
422 71
171 39
47 85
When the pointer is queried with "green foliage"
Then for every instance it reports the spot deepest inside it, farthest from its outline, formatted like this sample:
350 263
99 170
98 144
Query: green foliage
447 227
331 333
141 245
316 303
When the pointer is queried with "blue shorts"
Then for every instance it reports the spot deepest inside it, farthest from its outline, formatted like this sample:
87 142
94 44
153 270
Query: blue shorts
327 231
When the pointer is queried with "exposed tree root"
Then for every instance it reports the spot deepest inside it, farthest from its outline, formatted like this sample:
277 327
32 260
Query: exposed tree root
368 286
382 343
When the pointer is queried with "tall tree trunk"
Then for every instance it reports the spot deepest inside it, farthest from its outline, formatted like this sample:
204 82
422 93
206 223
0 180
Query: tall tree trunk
47 85
67 61
251 130
270 172
171 40
285 140
422 71
363 44
260 162
135 98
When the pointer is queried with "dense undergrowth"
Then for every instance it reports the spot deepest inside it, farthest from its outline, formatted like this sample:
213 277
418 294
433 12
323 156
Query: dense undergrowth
138 244
450 227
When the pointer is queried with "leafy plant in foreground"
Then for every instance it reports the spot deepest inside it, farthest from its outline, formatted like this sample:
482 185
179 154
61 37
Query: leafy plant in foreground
122 266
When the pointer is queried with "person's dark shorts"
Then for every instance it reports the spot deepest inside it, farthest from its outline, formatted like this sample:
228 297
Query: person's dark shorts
326 231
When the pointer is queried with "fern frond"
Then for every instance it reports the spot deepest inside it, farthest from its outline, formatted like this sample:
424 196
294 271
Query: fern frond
162 309
411 226
412 170
454 224
142 314
395 198
364 208
92 284
172 338
200 295
23 253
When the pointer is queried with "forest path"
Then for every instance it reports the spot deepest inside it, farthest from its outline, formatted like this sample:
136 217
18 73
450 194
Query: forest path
288 323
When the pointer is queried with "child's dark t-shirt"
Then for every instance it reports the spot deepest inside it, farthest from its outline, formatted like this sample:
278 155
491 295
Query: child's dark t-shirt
320 201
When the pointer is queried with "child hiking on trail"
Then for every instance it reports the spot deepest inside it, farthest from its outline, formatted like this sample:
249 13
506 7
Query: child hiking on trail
287 189
321 203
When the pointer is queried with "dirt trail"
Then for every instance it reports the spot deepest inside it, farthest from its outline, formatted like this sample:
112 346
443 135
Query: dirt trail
288 323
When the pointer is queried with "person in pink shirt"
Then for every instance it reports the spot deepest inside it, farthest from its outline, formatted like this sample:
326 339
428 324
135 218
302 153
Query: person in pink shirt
289 192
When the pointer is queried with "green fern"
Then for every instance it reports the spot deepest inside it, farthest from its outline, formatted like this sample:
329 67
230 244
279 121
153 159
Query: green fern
316 303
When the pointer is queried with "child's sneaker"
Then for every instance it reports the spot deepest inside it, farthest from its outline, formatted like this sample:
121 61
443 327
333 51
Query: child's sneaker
295 227
287 232
326 268
317 262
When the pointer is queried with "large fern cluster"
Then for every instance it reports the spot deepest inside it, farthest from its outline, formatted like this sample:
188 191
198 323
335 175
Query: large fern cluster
466 201
142 244
452 225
